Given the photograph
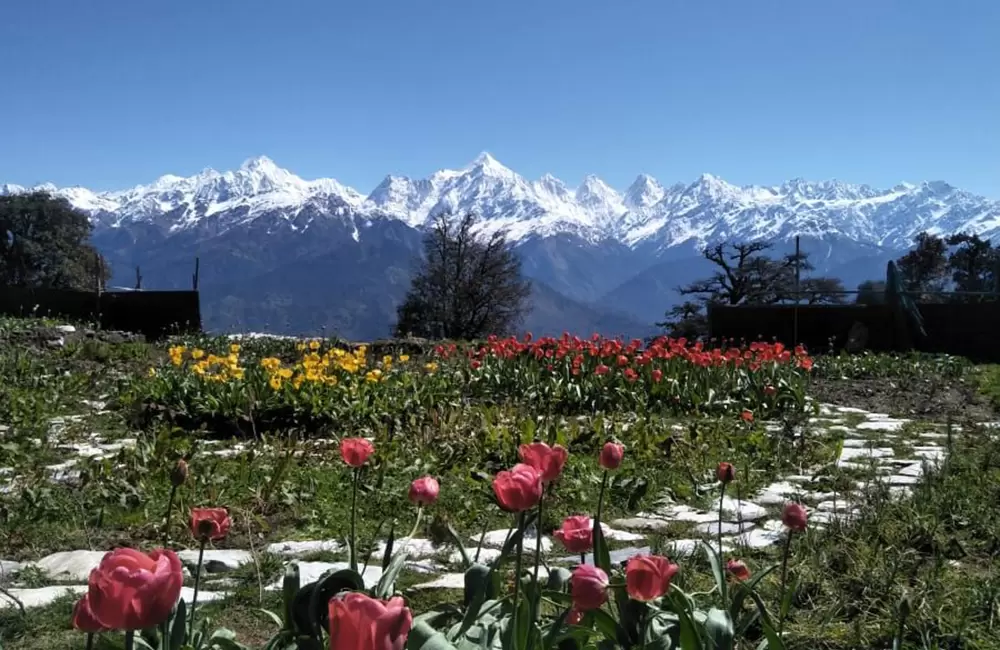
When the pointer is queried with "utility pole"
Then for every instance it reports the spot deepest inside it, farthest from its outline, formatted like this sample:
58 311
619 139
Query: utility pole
795 309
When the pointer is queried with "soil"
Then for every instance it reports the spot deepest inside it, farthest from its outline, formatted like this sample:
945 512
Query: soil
937 400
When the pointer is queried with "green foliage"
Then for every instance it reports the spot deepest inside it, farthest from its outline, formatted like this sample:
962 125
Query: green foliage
465 287
44 242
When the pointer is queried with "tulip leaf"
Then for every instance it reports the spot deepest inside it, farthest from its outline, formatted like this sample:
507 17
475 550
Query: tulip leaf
718 572
424 637
318 612
558 579
389 544
453 534
605 623
289 588
602 555
719 627
387 582
178 627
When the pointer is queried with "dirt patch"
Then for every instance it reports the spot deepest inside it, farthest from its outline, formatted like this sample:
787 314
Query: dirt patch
937 400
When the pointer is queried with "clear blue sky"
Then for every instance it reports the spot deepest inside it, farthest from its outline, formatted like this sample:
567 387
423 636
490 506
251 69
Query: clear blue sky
111 93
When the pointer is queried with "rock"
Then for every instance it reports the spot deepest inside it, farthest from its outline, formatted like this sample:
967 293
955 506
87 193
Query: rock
417 548
312 571
650 524
431 568
759 538
882 425
187 593
65 329
486 555
902 479
686 513
70 565
446 581
298 549
739 510
852 453
834 506
618 556
216 561
728 528
777 493
41 596
8 569
850 409
496 539
916 470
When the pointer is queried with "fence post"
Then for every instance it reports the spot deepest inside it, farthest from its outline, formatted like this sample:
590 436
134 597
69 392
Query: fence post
194 278
795 309
138 279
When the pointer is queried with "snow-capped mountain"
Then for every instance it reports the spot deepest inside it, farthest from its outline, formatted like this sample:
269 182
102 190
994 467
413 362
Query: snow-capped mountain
648 213
291 255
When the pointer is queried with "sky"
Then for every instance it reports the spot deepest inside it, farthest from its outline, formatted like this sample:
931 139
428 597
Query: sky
112 93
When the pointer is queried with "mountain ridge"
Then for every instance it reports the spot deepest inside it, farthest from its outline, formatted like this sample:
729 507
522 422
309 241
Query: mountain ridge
648 211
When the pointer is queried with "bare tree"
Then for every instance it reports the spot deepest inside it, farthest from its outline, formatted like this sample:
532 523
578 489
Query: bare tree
466 286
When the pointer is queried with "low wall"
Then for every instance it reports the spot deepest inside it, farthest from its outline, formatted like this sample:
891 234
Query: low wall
965 329
151 313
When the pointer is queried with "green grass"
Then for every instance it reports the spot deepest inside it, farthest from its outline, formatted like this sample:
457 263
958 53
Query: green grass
938 548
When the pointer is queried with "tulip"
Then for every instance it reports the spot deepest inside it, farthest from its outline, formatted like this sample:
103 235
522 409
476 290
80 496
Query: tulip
518 489
611 455
131 590
83 618
359 622
747 415
574 617
657 375
726 473
576 534
588 587
179 474
355 451
647 577
424 491
737 569
794 517
210 523
549 461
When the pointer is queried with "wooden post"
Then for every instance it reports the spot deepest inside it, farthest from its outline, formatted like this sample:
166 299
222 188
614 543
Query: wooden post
138 279
194 278
795 309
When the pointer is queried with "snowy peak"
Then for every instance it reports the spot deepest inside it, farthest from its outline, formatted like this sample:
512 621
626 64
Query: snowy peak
644 192
707 209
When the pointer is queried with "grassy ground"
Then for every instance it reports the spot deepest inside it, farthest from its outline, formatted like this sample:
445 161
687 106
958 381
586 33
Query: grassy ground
936 551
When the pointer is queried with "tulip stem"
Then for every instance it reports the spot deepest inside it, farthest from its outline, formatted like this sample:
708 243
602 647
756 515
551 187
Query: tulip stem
197 582
354 513
166 519
90 641
583 558
722 498
416 524
600 500
538 560
784 582
517 580
129 639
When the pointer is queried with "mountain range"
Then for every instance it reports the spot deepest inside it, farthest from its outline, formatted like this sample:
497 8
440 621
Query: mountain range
286 255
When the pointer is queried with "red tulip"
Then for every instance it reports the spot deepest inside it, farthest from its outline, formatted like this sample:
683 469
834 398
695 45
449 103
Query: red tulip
475 364
657 375
588 587
794 517
424 491
574 616
747 415
576 533
83 618
601 369
611 455
726 473
209 523
549 461
647 577
359 622
737 569
770 391
131 590
519 489
355 451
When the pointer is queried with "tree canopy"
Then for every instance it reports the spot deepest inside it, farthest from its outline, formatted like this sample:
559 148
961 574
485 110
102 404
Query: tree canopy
745 274
45 242
959 262
466 286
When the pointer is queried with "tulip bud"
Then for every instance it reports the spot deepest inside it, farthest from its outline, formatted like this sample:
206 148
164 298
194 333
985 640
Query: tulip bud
179 474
